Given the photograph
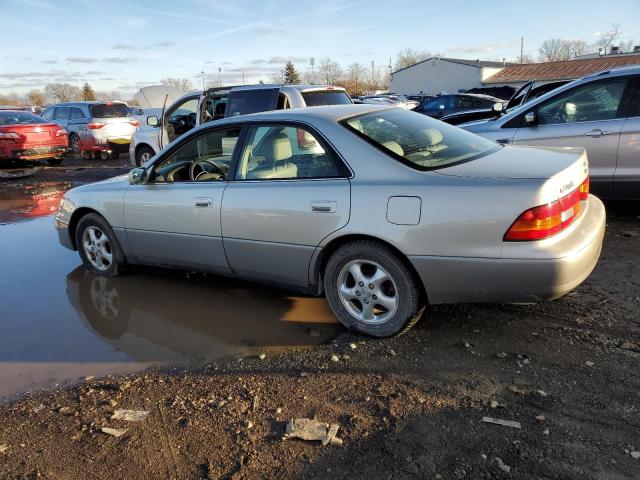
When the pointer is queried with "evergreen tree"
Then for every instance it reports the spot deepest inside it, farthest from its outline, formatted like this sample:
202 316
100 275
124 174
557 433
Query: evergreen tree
87 92
291 75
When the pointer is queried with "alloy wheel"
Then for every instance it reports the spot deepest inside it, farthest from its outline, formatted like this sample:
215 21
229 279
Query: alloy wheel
367 291
97 248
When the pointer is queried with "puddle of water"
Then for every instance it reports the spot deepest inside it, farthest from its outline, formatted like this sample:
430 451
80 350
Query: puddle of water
23 201
59 322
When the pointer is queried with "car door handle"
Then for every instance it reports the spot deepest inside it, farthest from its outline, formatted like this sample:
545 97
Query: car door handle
597 133
323 206
503 141
203 202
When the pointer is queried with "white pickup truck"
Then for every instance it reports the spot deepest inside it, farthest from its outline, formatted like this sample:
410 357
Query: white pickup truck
195 108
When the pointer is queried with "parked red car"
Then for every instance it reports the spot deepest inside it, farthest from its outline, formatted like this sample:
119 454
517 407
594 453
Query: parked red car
25 136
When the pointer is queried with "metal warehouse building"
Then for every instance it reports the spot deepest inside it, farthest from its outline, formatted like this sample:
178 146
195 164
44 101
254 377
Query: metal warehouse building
438 74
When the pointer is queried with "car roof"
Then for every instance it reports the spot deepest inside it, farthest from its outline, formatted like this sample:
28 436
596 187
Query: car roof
91 102
327 112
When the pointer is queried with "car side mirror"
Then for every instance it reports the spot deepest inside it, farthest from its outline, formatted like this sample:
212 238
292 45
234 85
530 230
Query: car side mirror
137 176
530 118
152 121
441 107
497 107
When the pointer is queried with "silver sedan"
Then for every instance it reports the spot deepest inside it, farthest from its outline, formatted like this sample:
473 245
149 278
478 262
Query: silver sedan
381 209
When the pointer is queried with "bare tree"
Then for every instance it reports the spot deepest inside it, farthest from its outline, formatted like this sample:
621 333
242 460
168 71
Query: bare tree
627 46
329 71
526 58
607 38
63 92
355 78
409 56
183 84
36 97
557 49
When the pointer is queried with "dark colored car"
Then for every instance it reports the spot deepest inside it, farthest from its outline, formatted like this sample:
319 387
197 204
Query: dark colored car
25 137
523 95
438 107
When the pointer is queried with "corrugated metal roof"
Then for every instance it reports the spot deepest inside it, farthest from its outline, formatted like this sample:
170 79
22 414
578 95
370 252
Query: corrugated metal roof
463 61
565 70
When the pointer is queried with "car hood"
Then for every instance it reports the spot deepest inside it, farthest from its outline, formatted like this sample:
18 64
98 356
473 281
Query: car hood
522 162
113 183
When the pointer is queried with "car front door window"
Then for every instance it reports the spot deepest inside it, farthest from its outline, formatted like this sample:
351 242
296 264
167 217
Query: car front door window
205 158
591 102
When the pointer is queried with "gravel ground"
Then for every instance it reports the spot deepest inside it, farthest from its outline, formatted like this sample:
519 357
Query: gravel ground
407 407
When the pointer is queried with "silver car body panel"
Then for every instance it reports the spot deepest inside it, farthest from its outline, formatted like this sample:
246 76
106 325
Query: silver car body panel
602 139
269 230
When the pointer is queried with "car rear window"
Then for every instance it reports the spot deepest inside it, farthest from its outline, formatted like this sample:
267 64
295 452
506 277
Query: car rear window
109 110
417 140
325 97
19 118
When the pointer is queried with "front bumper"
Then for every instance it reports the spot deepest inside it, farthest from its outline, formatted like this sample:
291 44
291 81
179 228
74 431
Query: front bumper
64 236
568 262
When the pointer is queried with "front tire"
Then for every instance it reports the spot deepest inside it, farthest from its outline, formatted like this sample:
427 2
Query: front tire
74 143
371 290
98 246
143 155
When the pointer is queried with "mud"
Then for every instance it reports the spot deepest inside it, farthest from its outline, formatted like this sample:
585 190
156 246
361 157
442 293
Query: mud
408 407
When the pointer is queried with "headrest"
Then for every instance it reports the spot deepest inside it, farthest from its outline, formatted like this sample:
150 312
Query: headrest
278 149
434 136
394 147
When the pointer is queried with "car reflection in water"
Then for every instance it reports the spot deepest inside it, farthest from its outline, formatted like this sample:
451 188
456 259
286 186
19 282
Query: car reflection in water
23 202
159 316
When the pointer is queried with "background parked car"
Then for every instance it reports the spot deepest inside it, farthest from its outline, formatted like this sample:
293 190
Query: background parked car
102 128
442 105
600 113
196 108
26 136
523 95
28 108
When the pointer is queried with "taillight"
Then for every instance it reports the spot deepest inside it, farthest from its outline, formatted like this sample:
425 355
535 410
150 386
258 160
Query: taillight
10 136
135 123
95 125
547 220
60 133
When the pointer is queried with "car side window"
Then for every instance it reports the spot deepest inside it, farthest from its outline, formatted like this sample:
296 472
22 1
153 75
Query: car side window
587 103
278 152
76 114
205 158
62 113
47 114
439 103
464 102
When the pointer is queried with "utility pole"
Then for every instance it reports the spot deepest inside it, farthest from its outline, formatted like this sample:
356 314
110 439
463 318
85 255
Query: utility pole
312 61
202 73
373 76
219 77
243 77
521 48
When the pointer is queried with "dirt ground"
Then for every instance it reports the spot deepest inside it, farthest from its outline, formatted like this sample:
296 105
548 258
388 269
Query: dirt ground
407 407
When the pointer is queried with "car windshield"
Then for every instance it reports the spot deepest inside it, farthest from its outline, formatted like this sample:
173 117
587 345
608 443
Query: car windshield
418 140
109 110
19 118
317 98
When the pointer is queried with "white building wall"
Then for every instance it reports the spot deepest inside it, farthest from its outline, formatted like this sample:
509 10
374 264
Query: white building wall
435 76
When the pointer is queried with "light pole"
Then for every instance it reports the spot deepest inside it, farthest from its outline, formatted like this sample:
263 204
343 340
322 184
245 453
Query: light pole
202 73
219 77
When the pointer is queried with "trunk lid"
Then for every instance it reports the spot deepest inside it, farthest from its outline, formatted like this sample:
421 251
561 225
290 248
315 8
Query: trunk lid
34 133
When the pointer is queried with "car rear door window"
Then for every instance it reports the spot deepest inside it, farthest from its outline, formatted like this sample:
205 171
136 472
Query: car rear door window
439 103
62 113
587 103
464 102
278 152
252 101
76 114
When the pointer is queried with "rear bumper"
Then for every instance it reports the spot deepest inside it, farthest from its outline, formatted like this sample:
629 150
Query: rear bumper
35 153
519 279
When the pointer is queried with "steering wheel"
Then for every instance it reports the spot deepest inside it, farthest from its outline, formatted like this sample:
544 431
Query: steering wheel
192 169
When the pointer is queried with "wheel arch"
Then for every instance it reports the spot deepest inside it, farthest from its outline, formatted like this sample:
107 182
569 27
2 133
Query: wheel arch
321 259
140 146
75 218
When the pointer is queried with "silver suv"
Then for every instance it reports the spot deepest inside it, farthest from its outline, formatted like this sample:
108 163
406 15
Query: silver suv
196 108
103 129
600 113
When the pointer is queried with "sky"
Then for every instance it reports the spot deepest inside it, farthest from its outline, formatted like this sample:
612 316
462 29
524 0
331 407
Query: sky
121 46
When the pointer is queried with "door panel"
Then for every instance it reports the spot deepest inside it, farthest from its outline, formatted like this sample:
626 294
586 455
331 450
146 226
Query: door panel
600 139
271 228
627 174
176 224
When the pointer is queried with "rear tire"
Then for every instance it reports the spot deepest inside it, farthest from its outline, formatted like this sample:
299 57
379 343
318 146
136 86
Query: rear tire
371 290
74 143
86 155
98 246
